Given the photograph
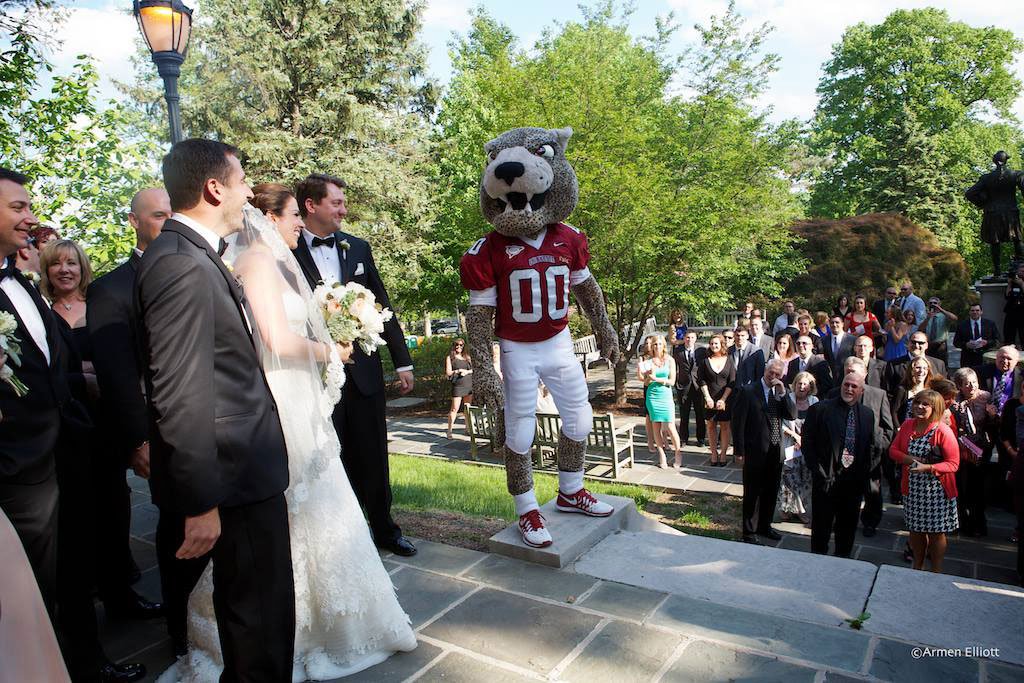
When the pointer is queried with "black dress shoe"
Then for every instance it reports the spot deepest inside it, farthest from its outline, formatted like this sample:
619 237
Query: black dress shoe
400 546
122 673
770 533
133 606
869 531
752 540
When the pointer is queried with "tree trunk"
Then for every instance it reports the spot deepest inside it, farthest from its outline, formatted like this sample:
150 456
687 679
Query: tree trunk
426 325
620 382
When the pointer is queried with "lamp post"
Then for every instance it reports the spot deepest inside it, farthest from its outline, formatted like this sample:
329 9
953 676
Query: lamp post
166 25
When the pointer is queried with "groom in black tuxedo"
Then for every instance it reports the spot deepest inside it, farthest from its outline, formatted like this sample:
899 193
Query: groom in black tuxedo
327 254
219 466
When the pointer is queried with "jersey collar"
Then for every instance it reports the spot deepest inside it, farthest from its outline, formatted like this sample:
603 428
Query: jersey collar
536 241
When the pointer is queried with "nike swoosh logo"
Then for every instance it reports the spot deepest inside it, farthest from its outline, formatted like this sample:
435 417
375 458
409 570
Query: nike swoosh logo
559 244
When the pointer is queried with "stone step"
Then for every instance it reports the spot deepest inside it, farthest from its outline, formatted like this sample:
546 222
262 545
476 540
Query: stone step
816 588
573 534
949 612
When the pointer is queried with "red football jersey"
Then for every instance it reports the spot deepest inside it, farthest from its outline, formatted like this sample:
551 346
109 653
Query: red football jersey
532 284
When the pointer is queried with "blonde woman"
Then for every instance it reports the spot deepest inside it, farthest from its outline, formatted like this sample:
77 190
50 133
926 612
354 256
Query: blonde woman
659 375
645 356
458 368
795 492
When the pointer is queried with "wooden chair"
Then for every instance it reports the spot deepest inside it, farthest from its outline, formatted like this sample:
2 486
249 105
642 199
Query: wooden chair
608 444
546 438
479 425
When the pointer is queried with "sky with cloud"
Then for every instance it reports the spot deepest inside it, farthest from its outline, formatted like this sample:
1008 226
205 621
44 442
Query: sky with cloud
805 31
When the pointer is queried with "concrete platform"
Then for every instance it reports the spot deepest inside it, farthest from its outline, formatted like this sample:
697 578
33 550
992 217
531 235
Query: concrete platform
815 588
574 534
949 612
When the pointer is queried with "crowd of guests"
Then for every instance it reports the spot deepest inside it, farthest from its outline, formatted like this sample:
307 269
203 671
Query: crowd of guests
65 505
828 412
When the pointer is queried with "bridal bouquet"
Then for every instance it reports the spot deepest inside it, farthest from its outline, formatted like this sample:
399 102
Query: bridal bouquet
352 314
10 345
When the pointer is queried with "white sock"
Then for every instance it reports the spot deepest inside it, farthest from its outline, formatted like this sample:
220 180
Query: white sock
525 502
570 483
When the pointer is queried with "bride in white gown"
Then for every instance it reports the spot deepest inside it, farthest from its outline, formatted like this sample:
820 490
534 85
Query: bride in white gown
346 614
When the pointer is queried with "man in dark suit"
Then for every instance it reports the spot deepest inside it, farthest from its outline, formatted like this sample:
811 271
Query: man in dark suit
806 361
111 326
837 347
877 401
748 359
687 390
837 446
881 306
326 254
877 370
975 337
30 424
217 453
757 437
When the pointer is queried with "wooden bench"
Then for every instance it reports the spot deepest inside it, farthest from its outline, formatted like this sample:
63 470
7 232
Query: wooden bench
586 350
606 443
479 425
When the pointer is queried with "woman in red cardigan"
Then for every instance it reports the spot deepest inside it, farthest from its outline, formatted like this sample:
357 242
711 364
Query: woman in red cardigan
929 451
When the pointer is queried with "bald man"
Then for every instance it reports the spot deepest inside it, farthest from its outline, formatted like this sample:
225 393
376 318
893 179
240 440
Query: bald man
123 410
837 444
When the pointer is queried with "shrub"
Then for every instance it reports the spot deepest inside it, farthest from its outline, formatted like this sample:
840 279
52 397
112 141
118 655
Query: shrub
866 253
428 364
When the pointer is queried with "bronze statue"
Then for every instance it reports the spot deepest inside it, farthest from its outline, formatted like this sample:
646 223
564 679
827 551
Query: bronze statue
995 194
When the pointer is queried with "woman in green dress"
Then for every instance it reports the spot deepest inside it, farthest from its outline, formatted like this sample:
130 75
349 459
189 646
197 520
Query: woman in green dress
659 374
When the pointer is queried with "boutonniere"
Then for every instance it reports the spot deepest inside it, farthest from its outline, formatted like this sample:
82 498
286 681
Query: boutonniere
231 269
32 276
345 246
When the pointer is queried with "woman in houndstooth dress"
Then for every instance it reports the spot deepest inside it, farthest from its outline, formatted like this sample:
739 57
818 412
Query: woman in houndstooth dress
929 450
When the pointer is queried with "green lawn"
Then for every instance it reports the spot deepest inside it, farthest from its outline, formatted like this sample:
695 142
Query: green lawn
429 484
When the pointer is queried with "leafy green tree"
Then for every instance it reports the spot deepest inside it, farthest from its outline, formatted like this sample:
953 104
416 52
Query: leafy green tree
681 197
330 86
86 162
910 111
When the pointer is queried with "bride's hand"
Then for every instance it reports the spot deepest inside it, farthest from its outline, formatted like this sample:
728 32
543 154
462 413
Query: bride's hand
345 351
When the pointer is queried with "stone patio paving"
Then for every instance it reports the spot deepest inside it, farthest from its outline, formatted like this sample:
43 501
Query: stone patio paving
486 617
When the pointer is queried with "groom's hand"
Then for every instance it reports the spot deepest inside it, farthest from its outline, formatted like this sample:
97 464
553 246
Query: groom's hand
201 533
406 381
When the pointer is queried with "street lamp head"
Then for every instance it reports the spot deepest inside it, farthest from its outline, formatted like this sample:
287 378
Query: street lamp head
165 24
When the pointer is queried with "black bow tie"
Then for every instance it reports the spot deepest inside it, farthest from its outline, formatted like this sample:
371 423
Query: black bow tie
222 246
8 269
323 242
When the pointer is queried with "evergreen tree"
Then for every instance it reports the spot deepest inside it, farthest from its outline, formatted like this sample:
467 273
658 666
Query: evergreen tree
331 86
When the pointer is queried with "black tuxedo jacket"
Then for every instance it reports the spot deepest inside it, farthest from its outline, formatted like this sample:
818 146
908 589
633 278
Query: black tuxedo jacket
751 432
880 307
215 436
836 360
112 330
31 423
970 358
750 368
819 369
824 437
365 370
686 371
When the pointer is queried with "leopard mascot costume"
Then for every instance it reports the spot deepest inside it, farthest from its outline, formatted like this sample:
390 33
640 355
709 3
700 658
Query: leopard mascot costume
519 277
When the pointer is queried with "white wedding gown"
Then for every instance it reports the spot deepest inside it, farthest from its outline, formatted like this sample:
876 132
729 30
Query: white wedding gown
346 613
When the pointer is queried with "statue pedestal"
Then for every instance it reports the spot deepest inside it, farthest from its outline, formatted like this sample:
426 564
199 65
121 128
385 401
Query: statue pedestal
993 297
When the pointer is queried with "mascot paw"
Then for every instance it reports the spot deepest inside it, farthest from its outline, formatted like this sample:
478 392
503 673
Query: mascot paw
608 344
488 391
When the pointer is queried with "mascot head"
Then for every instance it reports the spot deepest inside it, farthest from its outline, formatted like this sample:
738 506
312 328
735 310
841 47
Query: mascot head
528 183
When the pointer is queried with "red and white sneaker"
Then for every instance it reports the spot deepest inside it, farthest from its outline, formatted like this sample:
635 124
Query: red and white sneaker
531 526
583 501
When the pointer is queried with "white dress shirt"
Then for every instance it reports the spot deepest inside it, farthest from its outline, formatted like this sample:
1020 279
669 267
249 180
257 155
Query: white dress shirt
325 258
28 313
